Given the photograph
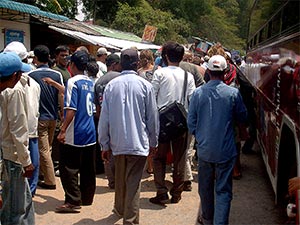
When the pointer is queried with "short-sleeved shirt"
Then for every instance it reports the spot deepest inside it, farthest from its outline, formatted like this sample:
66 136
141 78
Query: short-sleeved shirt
49 95
100 85
79 96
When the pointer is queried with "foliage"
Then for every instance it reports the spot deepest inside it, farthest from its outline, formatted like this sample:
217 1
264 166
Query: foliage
104 11
134 19
63 7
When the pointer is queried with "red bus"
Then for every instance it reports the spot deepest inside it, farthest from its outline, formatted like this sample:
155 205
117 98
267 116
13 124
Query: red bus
272 68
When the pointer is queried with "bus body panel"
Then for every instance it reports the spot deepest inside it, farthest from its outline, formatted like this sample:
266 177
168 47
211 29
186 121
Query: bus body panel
273 68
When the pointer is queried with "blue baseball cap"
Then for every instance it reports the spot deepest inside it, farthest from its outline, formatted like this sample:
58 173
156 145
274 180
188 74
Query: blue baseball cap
10 63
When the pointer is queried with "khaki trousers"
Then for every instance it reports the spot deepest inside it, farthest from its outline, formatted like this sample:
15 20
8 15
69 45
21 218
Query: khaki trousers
128 174
46 130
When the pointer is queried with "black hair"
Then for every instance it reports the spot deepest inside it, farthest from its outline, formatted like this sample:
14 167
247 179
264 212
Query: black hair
173 51
92 68
42 53
61 48
216 73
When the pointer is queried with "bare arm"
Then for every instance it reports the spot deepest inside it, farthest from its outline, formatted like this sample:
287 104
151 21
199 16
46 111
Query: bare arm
69 117
53 83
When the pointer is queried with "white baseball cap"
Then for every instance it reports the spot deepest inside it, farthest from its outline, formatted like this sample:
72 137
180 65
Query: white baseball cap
18 48
102 51
217 63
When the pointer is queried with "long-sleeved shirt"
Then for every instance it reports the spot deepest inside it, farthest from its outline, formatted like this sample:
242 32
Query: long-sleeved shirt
213 109
168 86
14 124
128 122
33 92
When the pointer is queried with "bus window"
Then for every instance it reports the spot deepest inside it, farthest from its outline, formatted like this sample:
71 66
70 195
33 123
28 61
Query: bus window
276 25
291 15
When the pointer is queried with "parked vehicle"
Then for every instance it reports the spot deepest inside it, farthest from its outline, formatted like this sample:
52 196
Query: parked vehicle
273 69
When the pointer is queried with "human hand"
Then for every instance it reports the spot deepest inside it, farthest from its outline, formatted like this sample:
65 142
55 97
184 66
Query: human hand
28 171
294 185
105 155
48 80
61 137
152 151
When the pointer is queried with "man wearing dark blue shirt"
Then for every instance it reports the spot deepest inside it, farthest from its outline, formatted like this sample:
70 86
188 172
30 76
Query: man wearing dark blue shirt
48 110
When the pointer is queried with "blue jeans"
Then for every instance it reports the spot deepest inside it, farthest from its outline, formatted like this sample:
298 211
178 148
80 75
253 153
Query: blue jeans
17 206
215 190
35 159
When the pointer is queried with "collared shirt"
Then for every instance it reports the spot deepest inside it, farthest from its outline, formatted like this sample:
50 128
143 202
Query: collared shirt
128 122
168 85
213 109
14 124
49 94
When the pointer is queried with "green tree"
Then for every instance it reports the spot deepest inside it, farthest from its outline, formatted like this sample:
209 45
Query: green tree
66 8
104 11
134 19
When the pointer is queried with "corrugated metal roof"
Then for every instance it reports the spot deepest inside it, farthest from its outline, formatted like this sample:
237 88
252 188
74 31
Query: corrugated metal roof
29 9
108 32
74 26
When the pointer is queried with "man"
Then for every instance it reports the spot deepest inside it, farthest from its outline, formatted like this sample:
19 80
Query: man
17 201
198 78
101 59
49 101
62 53
78 138
113 71
32 95
61 62
168 86
128 127
214 108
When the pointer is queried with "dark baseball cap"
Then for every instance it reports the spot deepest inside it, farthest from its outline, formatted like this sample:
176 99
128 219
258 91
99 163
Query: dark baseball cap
80 59
129 58
112 58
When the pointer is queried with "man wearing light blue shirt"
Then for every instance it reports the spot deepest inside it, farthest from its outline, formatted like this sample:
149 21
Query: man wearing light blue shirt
213 109
128 128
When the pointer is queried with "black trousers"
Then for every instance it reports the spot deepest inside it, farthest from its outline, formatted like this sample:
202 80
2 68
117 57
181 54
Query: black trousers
75 161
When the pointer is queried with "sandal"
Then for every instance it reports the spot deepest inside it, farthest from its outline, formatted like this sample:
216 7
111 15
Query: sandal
68 208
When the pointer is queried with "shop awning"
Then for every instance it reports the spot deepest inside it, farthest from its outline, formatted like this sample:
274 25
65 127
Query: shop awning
82 37
107 42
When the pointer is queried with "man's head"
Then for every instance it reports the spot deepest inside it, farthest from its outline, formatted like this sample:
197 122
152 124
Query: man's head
172 52
11 68
61 54
18 48
79 59
129 59
113 63
41 53
101 54
217 65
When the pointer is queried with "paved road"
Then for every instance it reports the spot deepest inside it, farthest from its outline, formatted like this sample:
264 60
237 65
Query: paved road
253 202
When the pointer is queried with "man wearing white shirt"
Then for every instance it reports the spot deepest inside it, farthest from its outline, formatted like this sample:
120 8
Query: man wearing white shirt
168 87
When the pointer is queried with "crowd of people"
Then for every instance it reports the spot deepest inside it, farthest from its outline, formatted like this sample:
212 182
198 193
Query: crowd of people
111 102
